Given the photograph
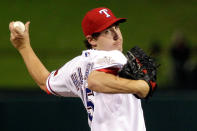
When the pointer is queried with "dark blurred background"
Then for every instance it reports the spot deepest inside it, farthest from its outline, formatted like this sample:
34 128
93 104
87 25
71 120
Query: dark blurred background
165 29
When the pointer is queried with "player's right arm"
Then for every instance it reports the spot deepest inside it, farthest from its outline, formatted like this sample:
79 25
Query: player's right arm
20 40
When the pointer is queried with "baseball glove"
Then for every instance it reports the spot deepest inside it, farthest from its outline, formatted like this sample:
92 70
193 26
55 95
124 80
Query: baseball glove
140 66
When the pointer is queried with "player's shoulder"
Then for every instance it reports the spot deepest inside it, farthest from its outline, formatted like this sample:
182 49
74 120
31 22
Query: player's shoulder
101 53
103 59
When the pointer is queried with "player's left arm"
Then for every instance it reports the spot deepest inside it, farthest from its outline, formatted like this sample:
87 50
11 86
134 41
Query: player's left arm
108 83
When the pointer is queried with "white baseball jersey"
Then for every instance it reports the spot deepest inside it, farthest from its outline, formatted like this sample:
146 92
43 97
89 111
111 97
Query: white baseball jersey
106 112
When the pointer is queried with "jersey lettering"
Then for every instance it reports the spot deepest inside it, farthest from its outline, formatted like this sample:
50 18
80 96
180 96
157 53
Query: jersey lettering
77 79
80 76
88 68
90 104
89 93
105 12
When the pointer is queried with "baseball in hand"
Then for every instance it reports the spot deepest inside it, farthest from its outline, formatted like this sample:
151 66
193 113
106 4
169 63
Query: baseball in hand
20 25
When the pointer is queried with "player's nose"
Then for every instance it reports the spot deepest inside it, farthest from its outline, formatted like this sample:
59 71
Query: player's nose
114 34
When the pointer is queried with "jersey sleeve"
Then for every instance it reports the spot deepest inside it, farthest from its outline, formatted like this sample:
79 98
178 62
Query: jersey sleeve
57 85
60 83
109 61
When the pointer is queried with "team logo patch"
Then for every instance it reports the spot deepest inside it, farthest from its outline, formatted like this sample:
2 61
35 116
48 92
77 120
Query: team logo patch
107 60
87 54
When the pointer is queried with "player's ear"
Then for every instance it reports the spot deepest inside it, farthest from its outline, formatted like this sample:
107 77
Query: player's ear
91 40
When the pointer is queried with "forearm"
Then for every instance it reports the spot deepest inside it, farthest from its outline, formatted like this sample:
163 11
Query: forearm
20 40
36 69
108 83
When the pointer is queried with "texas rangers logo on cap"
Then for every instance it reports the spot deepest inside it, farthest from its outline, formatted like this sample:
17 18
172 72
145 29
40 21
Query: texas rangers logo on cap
105 12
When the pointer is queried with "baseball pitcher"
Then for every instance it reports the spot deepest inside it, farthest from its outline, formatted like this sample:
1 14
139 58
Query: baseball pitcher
110 84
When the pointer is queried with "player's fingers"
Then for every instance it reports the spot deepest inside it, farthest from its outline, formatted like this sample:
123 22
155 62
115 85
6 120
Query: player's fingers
12 30
15 36
27 26
11 26
130 55
12 37
17 31
13 33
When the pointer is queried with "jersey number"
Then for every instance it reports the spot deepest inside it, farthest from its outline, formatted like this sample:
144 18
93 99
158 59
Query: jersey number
77 79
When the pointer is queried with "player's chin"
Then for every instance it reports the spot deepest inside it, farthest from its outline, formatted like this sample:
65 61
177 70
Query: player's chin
119 47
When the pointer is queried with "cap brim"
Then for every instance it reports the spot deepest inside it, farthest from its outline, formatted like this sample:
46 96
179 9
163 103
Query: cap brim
108 24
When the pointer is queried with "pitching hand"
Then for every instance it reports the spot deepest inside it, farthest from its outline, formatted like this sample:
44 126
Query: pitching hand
18 38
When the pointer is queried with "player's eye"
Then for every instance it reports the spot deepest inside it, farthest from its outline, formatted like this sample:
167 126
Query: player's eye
106 31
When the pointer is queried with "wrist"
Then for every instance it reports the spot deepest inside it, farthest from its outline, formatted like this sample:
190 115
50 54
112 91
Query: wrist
143 89
24 49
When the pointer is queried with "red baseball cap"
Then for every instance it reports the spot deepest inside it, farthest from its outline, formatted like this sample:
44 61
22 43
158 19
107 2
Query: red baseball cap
98 19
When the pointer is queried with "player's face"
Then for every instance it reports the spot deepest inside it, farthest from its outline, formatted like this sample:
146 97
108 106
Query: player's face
109 39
